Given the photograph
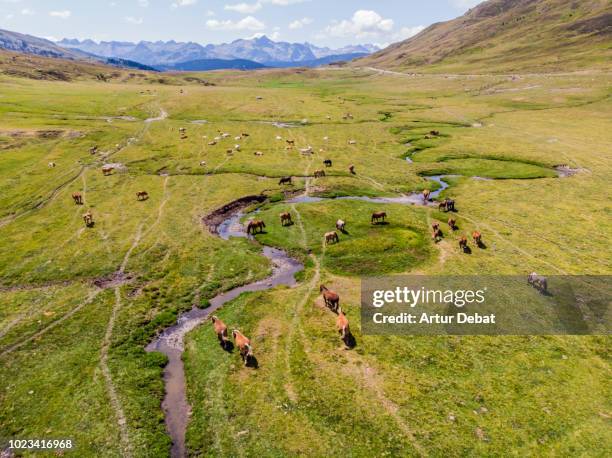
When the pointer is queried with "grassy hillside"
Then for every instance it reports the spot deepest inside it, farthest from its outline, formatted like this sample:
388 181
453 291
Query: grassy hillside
509 36
72 341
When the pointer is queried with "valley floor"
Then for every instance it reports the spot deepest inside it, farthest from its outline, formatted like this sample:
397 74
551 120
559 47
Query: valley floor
528 159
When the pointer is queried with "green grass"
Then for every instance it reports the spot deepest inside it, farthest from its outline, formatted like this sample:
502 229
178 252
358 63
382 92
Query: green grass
388 396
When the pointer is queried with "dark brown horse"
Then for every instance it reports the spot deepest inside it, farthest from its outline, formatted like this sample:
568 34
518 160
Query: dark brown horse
452 223
331 237
285 218
332 300
285 180
254 225
463 243
88 219
436 235
327 163
352 169
78 198
378 217
319 173
142 195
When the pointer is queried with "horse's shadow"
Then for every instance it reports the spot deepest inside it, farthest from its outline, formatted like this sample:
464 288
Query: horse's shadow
467 250
350 341
227 345
482 246
290 223
345 232
252 362
380 223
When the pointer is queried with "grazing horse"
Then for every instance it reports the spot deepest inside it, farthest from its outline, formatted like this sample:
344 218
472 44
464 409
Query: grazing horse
213 143
331 299
327 162
352 169
378 216
88 219
447 205
319 173
463 243
78 198
435 133
290 142
220 329
452 223
477 236
255 225
435 226
285 218
285 180
142 195
244 135
340 224
51 165
342 325
244 345
93 149
352 142
539 282
107 170
426 193
436 235
331 237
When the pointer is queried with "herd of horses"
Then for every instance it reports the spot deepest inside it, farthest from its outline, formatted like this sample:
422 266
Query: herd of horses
332 301
240 340
77 197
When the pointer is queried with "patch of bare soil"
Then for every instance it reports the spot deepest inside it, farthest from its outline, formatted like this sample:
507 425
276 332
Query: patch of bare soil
47 134
565 171
212 220
118 278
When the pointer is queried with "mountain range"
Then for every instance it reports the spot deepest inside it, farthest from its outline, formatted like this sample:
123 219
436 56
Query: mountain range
262 50
506 36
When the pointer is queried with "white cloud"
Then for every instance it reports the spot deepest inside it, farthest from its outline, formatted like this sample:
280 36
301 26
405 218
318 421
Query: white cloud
60 14
143 3
27 12
299 23
364 23
210 13
247 23
244 8
285 2
178 3
133 20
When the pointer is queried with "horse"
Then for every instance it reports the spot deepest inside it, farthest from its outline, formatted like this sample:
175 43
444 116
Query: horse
352 169
331 237
285 217
342 325
107 170
331 298
78 198
340 224
426 193
213 143
290 142
244 345
88 219
539 282
142 195
447 205
463 243
285 180
327 163
93 149
435 226
319 173
220 329
51 165
244 135
436 235
378 216
254 225
435 133
477 236
452 223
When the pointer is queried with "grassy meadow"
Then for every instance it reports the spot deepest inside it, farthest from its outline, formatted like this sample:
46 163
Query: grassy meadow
78 305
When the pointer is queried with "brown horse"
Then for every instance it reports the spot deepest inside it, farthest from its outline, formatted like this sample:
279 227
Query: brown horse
452 223
331 237
477 236
107 170
435 226
290 142
327 162
436 235
88 219
426 193
78 198
352 169
378 216
142 195
332 300
342 324
463 243
220 329
285 180
244 345
319 173
255 225
285 218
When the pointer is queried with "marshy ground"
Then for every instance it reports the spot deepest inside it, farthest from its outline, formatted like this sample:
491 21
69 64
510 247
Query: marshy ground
80 304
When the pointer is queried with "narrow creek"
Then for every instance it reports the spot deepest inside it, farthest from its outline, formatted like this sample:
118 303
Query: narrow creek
171 341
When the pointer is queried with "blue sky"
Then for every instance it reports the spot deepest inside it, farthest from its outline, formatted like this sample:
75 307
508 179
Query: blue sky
323 22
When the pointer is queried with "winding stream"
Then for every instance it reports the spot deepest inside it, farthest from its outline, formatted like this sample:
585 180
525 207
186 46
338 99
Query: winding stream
171 341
